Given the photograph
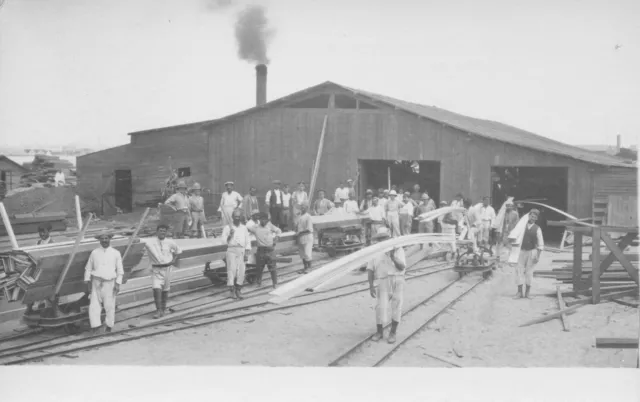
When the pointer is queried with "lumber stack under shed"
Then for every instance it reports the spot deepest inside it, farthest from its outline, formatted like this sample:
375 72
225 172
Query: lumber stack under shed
28 223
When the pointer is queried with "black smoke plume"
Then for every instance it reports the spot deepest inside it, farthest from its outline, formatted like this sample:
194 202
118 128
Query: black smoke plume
253 34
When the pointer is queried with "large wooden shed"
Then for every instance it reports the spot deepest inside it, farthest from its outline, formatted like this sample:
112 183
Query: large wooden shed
367 136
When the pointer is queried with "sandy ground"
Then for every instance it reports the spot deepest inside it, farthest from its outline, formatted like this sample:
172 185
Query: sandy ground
482 330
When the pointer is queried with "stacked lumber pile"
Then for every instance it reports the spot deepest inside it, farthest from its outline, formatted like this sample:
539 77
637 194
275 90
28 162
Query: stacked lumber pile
44 169
615 275
28 223
17 272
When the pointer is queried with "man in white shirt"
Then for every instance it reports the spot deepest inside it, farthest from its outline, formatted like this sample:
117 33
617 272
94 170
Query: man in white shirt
238 242
530 252
229 202
103 276
266 238
163 255
341 195
458 216
286 208
351 205
275 203
255 215
485 215
179 202
406 214
389 270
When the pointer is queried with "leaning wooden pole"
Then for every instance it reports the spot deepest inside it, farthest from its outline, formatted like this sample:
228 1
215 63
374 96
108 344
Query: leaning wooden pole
78 213
316 165
7 225
135 233
79 238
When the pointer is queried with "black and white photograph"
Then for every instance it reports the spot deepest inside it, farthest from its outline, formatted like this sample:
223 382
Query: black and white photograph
260 184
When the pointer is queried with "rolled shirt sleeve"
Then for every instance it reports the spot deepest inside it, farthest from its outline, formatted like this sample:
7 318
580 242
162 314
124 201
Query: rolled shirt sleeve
540 239
119 269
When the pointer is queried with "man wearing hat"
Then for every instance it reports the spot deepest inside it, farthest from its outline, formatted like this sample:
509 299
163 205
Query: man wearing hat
103 276
485 216
392 213
304 236
509 223
530 252
406 214
426 205
322 205
389 270
179 202
163 255
274 201
266 237
286 208
238 242
250 203
228 203
196 205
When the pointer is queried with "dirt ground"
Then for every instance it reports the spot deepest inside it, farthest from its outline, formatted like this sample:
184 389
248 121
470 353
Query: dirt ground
480 331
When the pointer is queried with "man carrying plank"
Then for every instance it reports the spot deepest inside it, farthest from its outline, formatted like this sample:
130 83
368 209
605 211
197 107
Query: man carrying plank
389 270
103 276
304 235
266 236
163 255
530 251
238 248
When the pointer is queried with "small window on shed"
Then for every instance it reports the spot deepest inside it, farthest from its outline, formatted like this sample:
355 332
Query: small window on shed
184 172
317 102
345 102
365 105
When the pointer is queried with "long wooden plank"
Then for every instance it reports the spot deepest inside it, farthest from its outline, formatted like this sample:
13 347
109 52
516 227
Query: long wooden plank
608 229
316 165
577 261
617 343
607 297
561 305
74 250
595 261
551 316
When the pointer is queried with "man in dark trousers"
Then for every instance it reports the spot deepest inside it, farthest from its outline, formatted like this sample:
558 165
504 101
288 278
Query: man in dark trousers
530 251
273 199
266 236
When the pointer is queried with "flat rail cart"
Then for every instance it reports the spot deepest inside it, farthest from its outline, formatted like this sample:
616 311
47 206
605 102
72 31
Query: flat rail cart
340 240
470 260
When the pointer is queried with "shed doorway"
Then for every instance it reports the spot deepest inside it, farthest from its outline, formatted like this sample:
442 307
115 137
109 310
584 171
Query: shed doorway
124 190
382 173
548 185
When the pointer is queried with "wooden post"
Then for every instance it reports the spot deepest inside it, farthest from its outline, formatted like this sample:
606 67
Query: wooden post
562 306
564 238
78 213
577 260
389 178
71 257
135 233
595 263
7 225
316 165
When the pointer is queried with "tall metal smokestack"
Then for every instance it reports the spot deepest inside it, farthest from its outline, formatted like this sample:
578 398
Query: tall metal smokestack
261 84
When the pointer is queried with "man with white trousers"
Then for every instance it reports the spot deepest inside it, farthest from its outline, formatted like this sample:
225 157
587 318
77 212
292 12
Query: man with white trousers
530 252
238 242
103 276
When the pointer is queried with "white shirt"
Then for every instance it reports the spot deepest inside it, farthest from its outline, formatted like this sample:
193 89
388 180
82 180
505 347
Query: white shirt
230 200
161 251
342 194
278 193
376 213
286 199
407 208
250 224
240 236
351 206
104 263
538 235
486 214
383 266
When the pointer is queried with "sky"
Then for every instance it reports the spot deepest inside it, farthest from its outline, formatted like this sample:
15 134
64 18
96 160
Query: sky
87 73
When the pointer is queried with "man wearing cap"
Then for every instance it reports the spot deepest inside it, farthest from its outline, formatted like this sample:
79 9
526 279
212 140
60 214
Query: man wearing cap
254 220
304 236
250 203
44 230
238 242
163 255
392 213
228 203
196 205
266 237
179 202
341 195
274 201
509 223
530 252
103 276
389 270
426 205
322 205
485 216
406 214
376 219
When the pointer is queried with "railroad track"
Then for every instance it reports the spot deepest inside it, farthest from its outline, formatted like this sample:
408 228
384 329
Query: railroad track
369 353
28 353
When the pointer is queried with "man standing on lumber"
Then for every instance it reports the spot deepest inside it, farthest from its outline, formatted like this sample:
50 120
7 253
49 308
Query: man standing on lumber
196 205
238 248
179 202
44 230
322 205
163 255
275 203
530 252
250 203
389 270
103 276
392 213
228 203
304 235
266 236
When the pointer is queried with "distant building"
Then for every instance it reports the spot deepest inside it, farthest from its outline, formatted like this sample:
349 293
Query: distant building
10 173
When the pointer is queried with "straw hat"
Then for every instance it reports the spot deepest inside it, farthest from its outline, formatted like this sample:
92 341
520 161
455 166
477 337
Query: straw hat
393 192
181 184
107 233
196 186
229 182
425 197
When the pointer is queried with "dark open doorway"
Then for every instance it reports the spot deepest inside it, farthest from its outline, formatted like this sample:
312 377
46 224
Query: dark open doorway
547 183
375 174
124 190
